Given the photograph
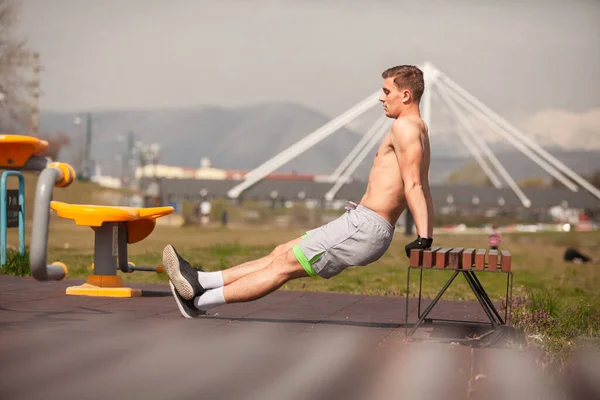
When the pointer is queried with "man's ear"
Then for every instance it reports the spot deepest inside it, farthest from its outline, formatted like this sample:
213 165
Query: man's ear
406 96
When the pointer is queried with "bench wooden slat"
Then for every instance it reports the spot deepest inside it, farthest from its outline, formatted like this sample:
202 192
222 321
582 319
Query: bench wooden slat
455 258
416 257
429 255
480 259
505 261
493 260
468 258
441 257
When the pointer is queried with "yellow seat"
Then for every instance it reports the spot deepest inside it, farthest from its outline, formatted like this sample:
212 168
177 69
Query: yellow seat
15 150
140 222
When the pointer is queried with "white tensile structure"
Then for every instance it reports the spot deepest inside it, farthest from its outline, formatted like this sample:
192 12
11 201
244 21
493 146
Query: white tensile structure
456 99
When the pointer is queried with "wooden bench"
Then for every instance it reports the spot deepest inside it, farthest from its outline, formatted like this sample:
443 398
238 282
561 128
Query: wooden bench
468 262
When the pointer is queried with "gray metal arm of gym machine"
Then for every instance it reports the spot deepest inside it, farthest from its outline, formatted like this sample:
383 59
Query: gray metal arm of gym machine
39 235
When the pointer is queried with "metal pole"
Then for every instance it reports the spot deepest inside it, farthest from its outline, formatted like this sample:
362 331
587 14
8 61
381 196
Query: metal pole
519 139
356 162
515 142
344 164
469 143
88 146
39 233
429 77
302 145
409 222
467 124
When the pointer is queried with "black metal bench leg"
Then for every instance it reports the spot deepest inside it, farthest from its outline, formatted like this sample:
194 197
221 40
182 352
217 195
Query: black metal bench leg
480 299
485 296
507 312
407 297
420 292
433 303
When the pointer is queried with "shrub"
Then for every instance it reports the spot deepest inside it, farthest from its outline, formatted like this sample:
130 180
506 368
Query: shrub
16 264
559 330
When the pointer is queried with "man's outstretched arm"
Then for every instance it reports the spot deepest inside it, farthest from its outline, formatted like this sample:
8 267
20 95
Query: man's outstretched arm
406 139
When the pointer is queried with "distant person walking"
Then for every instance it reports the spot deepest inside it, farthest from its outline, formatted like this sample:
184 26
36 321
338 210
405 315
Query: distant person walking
494 238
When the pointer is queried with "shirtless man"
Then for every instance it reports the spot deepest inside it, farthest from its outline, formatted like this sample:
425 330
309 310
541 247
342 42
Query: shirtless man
398 178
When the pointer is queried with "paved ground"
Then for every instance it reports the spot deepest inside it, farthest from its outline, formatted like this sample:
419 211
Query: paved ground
292 345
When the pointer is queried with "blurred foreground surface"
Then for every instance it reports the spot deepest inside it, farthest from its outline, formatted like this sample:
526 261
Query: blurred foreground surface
293 345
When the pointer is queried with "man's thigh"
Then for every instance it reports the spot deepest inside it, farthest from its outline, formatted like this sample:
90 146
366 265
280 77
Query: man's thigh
284 248
289 265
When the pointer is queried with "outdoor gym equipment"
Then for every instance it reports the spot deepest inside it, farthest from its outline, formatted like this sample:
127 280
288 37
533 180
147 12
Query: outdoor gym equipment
22 153
114 228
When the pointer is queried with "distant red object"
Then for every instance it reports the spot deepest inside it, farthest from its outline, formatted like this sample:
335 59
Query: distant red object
494 238
238 174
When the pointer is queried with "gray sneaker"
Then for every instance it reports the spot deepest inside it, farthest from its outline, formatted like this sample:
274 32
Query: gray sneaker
182 274
186 307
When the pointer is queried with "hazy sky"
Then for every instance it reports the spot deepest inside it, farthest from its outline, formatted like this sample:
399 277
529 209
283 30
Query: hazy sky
519 57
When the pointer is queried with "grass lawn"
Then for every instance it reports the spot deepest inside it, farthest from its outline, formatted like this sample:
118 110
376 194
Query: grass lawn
537 260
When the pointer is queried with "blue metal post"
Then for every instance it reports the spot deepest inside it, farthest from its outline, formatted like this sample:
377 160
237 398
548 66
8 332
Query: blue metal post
4 217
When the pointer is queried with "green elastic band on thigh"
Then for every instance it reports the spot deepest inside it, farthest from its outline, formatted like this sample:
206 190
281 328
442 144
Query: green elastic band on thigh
303 261
304 236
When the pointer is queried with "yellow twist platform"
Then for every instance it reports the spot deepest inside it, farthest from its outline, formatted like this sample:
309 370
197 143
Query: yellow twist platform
114 228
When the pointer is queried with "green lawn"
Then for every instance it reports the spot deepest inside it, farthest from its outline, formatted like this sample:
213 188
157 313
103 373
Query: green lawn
537 260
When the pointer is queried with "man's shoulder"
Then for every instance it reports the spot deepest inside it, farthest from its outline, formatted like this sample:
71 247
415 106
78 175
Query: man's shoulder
406 128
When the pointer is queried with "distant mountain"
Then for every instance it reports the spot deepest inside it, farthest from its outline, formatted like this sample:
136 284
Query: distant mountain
243 138
240 138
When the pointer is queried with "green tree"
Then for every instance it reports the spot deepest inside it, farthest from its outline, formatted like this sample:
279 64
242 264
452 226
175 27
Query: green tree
534 182
470 174
594 179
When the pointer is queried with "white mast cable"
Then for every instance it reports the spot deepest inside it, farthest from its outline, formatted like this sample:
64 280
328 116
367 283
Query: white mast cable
426 102
465 139
429 76
467 124
519 145
303 144
344 164
518 138
356 162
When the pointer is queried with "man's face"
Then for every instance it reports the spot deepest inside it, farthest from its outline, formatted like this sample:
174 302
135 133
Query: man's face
392 98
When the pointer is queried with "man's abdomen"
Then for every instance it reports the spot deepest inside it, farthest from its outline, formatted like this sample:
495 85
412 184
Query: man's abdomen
387 201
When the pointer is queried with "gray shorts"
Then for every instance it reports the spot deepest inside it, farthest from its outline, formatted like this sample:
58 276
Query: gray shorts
357 238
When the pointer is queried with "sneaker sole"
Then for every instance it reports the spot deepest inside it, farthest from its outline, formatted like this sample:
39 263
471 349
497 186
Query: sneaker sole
171 264
179 305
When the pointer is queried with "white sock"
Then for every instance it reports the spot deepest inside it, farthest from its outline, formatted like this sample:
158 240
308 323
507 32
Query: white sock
209 299
210 280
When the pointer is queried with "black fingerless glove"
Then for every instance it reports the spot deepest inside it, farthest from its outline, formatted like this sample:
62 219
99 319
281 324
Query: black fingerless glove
418 243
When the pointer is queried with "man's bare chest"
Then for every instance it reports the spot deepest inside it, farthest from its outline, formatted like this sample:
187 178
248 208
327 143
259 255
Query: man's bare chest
385 148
